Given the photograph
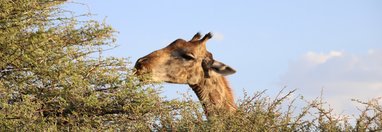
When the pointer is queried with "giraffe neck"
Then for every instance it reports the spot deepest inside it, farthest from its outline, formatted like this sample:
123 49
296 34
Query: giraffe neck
214 92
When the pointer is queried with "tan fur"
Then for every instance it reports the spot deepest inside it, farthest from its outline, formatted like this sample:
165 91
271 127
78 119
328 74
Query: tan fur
188 62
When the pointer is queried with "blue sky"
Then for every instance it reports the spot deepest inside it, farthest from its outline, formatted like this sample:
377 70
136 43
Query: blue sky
334 45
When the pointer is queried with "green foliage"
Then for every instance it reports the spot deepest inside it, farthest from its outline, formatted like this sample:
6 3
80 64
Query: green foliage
51 80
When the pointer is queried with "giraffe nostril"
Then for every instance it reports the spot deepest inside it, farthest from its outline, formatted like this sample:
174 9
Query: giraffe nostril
139 60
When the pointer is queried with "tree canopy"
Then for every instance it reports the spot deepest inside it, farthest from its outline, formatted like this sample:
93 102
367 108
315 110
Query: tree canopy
53 75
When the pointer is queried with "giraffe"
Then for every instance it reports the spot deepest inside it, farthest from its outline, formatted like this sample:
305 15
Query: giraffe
189 62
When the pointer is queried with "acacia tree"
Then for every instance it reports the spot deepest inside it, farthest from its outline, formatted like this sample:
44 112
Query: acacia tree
50 78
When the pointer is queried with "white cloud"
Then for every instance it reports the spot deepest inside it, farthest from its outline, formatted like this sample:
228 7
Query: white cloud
218 36
321 58
342 76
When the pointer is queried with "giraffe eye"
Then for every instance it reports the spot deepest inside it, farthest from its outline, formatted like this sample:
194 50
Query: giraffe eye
188 56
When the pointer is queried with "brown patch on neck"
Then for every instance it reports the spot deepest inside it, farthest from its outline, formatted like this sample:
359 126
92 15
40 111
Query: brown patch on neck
215 93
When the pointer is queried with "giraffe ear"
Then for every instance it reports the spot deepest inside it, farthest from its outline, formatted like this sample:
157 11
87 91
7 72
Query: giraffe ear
222 68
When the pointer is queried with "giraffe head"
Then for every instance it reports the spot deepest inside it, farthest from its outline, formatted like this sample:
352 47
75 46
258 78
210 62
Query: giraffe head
182 62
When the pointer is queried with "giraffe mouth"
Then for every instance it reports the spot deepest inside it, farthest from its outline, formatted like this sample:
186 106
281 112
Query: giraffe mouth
141 72
145 75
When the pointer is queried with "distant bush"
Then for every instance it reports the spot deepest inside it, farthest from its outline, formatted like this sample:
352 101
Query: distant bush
262 113
53 78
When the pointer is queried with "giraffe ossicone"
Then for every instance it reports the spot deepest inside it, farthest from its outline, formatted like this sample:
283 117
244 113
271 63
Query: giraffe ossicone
189 62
